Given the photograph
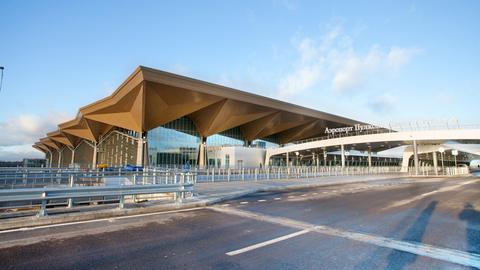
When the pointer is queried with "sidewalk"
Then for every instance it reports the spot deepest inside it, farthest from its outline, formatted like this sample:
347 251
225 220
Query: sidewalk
205 194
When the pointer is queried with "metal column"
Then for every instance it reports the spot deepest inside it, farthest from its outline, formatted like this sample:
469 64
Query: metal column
343 155
60 154
415 156
94 158
73 156
369 157
435 162
202 153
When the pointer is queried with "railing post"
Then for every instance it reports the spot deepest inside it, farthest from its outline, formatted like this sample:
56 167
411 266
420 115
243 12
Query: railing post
43 206
121 203
70 200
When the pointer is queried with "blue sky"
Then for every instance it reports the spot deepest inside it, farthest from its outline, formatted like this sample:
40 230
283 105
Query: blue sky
375 61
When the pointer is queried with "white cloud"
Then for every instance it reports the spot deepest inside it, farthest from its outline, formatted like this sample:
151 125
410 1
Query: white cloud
399 57
333 57
27 128
300 80
383 103
352 71
19 152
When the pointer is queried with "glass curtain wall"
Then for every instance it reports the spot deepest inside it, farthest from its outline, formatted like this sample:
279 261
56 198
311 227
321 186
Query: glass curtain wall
174 144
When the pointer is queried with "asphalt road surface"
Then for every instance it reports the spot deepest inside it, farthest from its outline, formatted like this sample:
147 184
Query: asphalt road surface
425 223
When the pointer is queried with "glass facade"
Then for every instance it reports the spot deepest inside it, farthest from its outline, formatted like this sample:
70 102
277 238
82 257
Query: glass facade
174 144
231 137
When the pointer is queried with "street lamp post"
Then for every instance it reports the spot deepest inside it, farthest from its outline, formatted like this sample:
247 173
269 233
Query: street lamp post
1 77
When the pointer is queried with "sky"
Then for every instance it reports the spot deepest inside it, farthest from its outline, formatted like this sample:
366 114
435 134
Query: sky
374 61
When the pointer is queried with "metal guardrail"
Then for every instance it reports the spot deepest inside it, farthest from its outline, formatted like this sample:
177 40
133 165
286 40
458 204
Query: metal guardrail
45 194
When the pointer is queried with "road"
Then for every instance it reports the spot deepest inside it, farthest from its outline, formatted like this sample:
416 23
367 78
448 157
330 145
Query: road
423 223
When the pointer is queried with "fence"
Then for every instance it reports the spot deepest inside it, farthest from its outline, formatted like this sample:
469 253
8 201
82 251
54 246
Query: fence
278 173
446 171
64 177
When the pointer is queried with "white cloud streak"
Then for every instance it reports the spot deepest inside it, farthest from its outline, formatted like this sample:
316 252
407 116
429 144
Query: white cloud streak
20 132
334 58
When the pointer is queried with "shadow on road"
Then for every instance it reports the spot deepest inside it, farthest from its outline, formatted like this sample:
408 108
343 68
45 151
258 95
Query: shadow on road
397 260
472 217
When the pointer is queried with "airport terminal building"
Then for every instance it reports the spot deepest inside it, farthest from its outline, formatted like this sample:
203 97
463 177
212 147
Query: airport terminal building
156 118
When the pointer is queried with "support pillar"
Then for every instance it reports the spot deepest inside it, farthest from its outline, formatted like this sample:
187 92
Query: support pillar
60 153
288 162
435 162
325 157
343 155
94 158
73 157
369 157
202 152
141 151
49 159
415 157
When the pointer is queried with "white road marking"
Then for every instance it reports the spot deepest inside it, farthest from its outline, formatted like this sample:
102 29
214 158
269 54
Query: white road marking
244 203
315 193
277 199
261 200
439 253
303 195
97 220
227 204
266 243
421 196
291 196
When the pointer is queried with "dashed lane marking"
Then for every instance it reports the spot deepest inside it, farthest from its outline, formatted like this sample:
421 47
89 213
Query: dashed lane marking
261 200
266 243
243 202
439 253
277 199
